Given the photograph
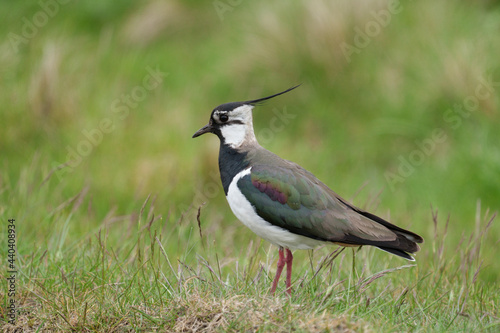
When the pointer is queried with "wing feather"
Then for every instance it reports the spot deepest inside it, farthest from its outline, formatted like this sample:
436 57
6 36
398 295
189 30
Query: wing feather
292 198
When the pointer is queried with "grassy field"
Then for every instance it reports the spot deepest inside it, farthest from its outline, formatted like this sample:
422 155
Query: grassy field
120 219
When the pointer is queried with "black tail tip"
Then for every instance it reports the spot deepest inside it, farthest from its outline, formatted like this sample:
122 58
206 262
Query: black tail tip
397 252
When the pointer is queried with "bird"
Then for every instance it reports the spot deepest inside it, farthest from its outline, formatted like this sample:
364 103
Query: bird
284 203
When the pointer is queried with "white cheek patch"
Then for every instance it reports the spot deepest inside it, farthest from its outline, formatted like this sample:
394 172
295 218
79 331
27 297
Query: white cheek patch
234 134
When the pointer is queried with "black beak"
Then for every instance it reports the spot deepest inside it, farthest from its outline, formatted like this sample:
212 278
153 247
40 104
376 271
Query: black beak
205 129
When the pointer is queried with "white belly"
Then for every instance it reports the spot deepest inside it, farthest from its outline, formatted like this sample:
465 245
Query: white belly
245 212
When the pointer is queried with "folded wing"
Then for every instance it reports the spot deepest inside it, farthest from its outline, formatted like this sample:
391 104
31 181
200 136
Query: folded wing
292 198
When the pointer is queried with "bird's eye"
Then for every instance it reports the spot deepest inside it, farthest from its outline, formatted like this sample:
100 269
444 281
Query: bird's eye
223 118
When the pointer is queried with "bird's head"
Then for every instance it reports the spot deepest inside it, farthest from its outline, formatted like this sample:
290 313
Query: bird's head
232 122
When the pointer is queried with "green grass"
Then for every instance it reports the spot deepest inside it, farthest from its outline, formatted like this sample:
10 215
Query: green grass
111 241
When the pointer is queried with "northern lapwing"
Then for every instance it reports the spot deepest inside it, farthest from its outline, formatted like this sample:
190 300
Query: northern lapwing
287 205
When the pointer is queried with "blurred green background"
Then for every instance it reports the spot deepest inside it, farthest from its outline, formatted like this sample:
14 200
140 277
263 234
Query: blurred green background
397 111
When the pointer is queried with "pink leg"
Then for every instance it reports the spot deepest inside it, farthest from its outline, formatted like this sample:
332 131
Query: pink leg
281 264
288 260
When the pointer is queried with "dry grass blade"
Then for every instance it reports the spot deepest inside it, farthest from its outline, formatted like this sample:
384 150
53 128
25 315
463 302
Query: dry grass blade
54 170
212 271
366 282
199 221
166 258
327 261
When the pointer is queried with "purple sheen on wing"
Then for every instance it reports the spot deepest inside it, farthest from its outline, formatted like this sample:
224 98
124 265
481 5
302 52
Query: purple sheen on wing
274 193
271 193
259 185
282 198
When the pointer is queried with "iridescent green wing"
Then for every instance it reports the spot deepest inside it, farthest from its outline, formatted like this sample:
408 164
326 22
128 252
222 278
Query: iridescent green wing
292 198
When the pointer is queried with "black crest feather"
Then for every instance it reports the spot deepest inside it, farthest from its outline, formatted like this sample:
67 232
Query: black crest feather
260 100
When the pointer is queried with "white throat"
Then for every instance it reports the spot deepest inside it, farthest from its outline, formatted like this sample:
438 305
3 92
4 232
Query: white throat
236 134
